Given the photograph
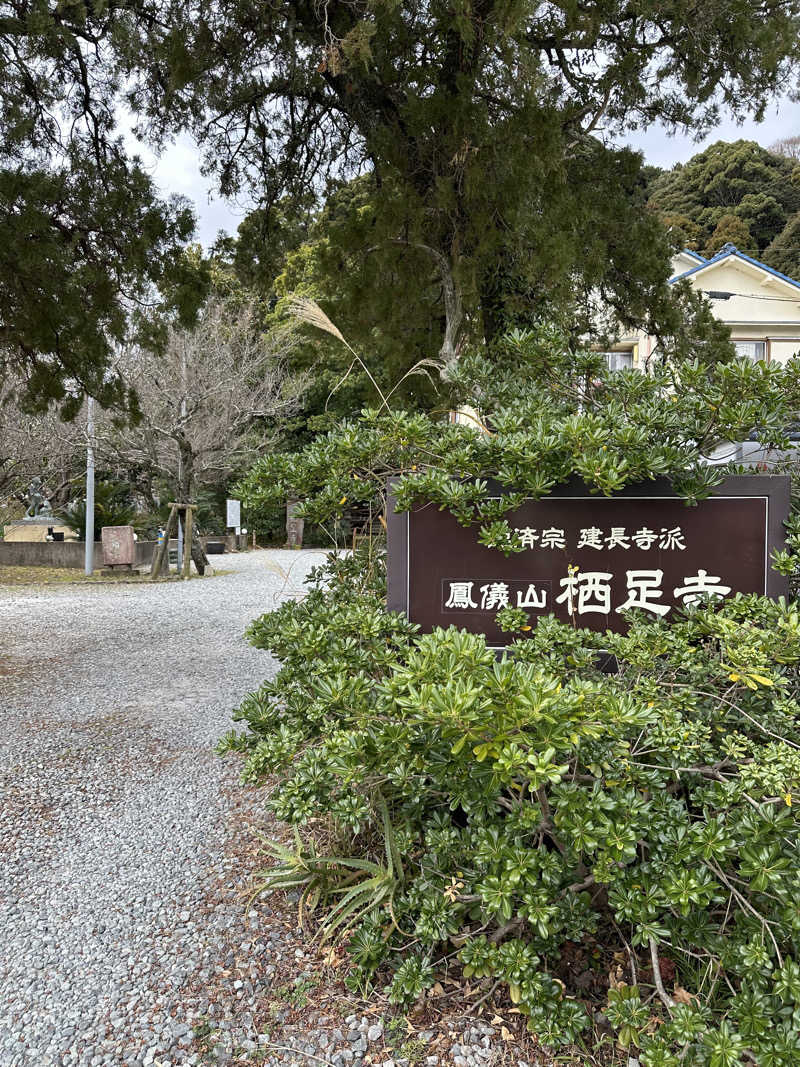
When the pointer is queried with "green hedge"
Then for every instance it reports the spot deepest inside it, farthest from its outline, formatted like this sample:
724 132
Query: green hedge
498 816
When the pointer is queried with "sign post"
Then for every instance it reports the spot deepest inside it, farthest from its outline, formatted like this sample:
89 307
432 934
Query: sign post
588 558
119 547
234 514
88 547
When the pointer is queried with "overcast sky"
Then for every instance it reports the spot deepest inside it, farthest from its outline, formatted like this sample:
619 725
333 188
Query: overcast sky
178 170
781 120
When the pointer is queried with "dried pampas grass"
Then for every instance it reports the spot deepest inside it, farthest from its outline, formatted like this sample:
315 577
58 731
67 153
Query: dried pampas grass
306 310
309 311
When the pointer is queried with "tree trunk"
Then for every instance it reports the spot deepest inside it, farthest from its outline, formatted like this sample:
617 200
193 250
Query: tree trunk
185 496
185 469
198 552
453 308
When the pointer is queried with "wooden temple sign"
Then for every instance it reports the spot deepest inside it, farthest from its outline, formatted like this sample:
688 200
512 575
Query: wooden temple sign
587 559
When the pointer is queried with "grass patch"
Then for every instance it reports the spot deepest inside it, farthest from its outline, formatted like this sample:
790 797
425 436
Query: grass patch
50 576
396 1028
413 1050
27 576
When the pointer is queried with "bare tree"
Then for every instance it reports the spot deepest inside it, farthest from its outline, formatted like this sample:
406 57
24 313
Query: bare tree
211 403
40 445
787 146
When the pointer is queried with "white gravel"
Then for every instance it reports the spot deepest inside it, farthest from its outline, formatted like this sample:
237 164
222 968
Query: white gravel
114 808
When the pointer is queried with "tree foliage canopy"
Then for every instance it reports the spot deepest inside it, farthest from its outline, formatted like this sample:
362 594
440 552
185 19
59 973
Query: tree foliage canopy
387 305
731 229
783 252
551 413
475 120
86 239
738 192
476 123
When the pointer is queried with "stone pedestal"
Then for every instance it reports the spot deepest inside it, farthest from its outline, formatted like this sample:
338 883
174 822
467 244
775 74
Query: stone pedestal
37 529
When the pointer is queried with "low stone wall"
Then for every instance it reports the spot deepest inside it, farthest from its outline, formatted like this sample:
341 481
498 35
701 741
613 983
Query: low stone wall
71 553
61 553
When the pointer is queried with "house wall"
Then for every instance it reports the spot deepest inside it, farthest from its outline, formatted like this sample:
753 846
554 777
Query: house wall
760 307
682 262
781 348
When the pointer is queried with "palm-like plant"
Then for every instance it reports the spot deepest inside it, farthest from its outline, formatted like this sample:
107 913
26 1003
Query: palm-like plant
111 508
361 885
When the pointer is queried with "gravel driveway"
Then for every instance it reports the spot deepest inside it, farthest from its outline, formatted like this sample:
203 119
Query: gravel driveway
115 813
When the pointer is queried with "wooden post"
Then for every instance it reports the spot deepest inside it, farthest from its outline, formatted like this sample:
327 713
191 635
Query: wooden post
158 558
198 553
187 541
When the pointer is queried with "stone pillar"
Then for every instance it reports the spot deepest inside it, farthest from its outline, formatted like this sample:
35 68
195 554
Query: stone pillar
294 525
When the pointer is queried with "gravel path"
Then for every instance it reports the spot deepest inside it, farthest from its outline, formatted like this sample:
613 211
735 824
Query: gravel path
115 812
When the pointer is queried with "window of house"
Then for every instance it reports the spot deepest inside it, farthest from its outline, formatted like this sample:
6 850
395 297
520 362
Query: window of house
619 360
753 350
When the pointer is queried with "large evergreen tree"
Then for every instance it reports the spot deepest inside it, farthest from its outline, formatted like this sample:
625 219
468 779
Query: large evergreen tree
475 119
84 236
783 253
731 229
384 297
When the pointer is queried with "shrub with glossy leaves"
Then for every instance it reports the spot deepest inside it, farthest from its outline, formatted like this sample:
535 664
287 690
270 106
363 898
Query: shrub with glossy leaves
620 846
550 414
575 418
517 814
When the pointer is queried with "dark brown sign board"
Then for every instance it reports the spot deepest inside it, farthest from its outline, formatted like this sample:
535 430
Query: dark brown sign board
588 557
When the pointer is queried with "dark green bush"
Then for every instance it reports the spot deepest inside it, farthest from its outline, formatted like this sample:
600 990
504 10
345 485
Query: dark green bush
551 415
506 813
611 850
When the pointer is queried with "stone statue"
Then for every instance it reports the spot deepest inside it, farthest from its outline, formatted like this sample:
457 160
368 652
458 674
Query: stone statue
38 504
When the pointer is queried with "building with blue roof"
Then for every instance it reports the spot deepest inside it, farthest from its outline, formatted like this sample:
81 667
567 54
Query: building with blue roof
760 305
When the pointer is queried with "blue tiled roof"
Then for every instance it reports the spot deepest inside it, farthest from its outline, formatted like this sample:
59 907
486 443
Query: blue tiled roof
731 250
694 255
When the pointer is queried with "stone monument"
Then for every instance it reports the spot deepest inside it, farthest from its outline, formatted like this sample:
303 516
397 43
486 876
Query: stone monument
38 504
119 547
294 525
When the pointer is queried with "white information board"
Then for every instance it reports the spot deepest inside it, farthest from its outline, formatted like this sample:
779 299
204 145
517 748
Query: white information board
234 513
